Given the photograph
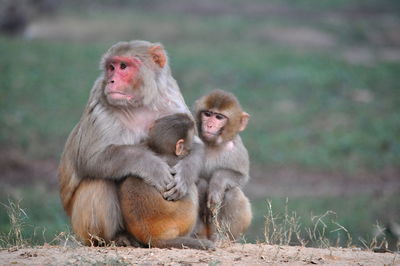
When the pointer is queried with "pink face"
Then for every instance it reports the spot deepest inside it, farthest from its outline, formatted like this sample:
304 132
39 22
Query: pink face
212 124
121 79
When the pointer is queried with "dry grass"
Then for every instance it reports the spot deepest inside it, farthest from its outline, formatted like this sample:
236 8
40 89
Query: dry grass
18 221
282 229
378 241
285 229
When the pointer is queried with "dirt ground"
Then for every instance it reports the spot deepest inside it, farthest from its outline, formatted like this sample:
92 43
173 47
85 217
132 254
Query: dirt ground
233 254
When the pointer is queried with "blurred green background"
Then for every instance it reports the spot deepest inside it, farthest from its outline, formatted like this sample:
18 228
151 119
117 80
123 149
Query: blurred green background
320 80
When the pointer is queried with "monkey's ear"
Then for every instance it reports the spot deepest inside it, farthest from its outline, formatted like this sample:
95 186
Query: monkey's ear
244 119
158 55
180 147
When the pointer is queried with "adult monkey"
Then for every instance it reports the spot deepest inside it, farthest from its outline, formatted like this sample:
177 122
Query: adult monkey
135 89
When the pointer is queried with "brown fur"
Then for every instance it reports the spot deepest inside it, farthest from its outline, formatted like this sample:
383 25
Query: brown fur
223 205
148 216
103 147
94 212
233 218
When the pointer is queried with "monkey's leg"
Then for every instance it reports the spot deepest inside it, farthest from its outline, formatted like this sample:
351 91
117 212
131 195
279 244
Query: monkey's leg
96 216
234 216
201 228
184 242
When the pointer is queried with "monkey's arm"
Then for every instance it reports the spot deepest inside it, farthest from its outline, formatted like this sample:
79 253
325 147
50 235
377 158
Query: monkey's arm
118 161
222 180
187 172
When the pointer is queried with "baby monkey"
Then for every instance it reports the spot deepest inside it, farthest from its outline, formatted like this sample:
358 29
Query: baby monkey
150 218
224 208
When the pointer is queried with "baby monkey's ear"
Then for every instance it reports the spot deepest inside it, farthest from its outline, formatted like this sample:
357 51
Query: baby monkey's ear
244 120
180 147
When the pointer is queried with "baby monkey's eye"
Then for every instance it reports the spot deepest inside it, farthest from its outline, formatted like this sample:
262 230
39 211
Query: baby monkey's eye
207 113
219 116
122 65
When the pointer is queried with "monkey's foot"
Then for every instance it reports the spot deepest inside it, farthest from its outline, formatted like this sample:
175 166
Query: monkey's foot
126 240
207 244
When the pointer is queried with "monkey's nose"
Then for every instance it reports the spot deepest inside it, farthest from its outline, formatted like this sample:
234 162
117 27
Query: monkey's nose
112 81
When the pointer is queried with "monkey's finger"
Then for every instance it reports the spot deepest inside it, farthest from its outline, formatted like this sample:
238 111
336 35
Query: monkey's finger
160 188
210 201
165 184
169 195
177 193
210 204
171 185
167 181
176 196
213 200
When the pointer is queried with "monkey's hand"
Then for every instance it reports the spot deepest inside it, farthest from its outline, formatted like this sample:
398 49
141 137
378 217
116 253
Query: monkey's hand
216 191
160 176
186 172
178 187
221 180
214 199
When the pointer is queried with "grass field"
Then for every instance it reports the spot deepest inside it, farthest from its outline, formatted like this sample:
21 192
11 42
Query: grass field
320 80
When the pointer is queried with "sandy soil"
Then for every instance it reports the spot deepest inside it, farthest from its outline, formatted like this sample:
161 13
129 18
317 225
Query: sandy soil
233 254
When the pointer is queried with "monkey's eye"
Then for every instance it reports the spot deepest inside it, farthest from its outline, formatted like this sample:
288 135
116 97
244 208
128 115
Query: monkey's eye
122 65
219 116
111 67
207 113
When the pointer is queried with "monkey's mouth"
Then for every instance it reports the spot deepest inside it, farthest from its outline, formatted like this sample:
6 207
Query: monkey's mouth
119 96
208 134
